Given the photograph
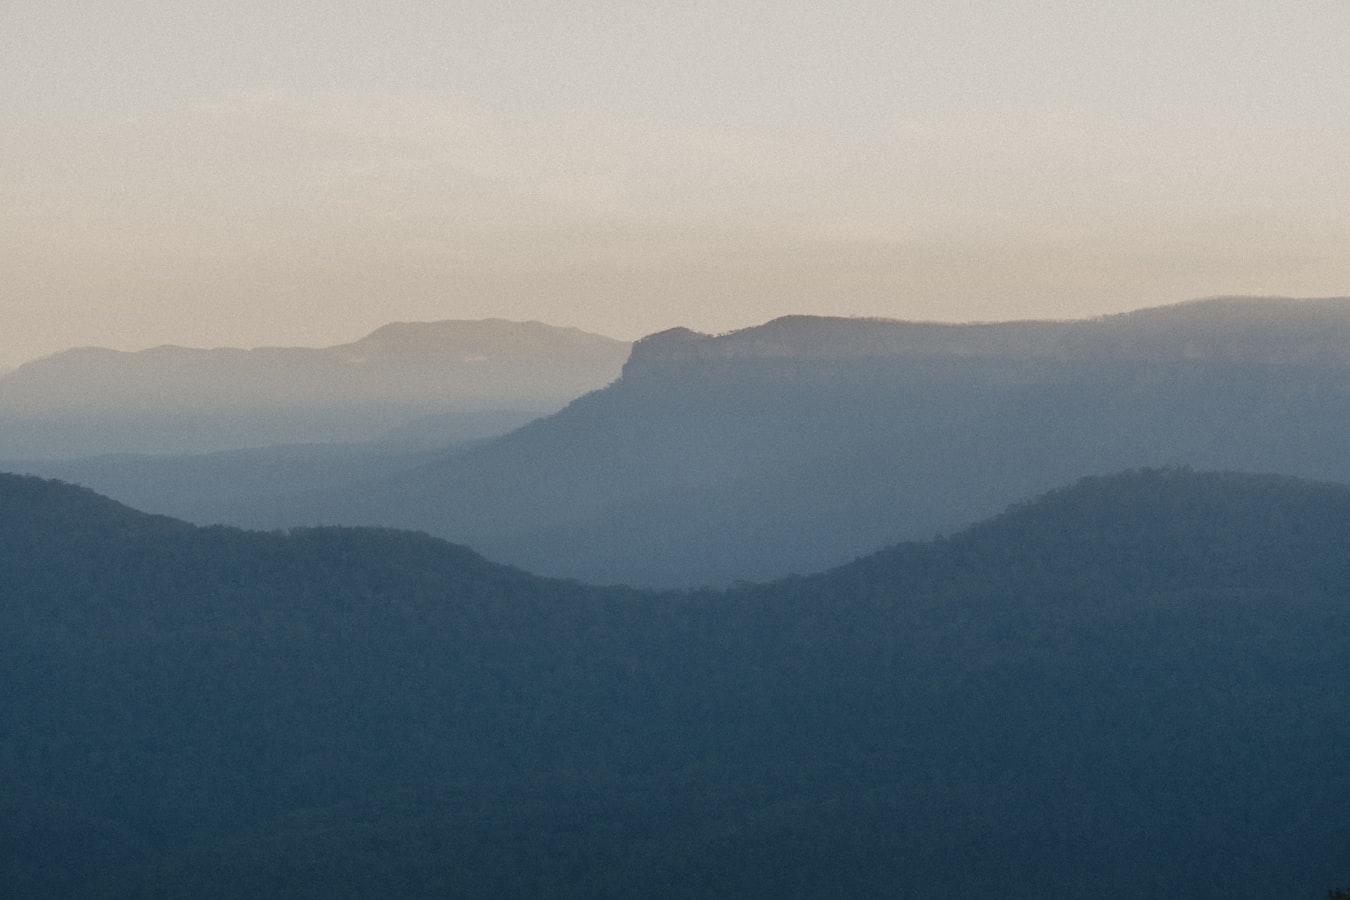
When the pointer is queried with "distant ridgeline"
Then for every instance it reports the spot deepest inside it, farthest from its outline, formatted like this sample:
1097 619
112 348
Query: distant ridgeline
1233 329
173 399
1134 687
806 442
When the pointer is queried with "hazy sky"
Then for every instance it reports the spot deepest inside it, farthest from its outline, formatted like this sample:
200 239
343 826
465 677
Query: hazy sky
246 173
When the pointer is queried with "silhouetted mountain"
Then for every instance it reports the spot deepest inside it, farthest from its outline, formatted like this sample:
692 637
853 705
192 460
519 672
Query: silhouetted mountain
172 399
1131 688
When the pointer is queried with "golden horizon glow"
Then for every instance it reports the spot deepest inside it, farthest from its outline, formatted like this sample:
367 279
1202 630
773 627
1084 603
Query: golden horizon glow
244 175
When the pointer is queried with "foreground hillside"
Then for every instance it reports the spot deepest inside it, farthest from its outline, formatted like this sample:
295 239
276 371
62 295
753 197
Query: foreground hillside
1133 687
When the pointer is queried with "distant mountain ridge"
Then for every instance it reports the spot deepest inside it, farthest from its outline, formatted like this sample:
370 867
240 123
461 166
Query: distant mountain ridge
1233 329
486 363
156 400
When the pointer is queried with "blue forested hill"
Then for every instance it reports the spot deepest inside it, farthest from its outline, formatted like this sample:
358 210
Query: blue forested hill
1131 687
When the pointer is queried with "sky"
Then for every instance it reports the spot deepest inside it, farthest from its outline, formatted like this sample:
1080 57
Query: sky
258 173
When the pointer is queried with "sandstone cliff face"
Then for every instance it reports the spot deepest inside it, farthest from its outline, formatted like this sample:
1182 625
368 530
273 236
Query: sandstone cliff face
1228 329
816 338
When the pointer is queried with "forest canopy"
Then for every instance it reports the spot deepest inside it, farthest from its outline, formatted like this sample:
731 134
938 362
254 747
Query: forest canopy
1131 687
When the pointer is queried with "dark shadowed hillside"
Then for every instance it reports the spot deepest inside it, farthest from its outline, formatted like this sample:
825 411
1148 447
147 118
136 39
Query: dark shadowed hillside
471 379
1131 688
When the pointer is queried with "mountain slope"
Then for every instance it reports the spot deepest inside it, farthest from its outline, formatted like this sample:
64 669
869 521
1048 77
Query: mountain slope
1133 687
805 442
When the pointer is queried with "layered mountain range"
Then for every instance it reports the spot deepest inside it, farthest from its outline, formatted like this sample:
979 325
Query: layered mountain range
1131 687
804 442
1134 687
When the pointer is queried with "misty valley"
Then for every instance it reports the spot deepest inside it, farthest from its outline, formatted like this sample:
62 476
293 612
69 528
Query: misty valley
822 607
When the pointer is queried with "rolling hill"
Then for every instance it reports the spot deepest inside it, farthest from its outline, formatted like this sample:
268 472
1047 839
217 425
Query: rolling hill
1132 687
